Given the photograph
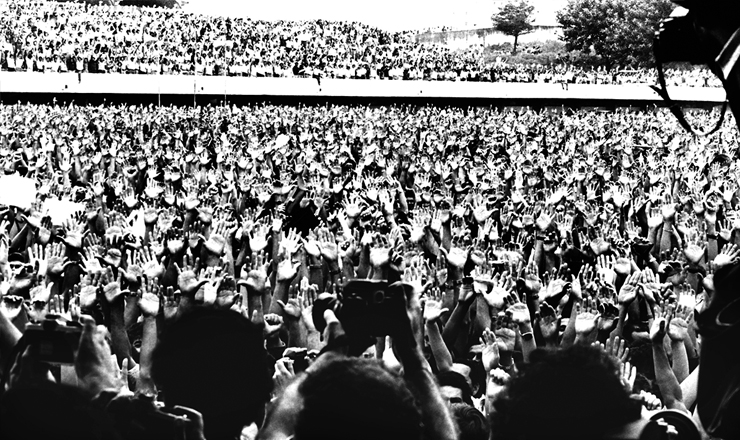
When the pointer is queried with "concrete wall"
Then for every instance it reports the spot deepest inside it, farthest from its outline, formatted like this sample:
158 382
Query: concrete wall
486 37
69 85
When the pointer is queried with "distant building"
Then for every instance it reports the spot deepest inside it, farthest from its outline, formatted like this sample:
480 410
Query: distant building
481 31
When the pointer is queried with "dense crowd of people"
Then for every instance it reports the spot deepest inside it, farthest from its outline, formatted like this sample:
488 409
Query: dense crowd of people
46 36
362 272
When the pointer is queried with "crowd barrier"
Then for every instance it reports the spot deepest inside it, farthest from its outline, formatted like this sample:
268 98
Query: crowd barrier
120 86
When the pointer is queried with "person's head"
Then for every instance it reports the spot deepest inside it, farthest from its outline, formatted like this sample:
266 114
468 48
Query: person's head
52 410
573 393
471 423
454 387
344 397
214 361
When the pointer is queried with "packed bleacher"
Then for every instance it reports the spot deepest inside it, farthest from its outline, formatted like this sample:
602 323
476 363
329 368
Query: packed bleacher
362 272
73 37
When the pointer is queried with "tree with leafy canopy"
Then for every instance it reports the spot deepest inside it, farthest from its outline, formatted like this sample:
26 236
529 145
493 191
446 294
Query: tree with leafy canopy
514 19
619 32
150 3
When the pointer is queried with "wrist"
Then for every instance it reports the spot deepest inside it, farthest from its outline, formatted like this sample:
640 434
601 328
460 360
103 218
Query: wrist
252 292
525 327
506 359
333 266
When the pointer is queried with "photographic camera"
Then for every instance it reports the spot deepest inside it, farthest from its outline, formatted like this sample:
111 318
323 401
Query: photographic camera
677 41
299 358
56 338
678 38
144 418
366 307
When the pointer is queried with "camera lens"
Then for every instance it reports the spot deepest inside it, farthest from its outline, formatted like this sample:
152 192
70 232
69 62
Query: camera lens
378 296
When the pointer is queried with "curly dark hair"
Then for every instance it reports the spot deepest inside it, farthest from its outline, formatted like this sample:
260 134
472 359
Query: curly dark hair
214 361
573 393
359 399
471 423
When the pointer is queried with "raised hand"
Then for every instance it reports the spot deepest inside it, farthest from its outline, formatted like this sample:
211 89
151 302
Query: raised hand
678 328
587 318
187 279
309 294
283 375
149 299
258 238
170 301
650 285
433 309
272 323
328 245
312 245
628 291
94 362
11 306
147 260
112 286
649 400
456 257
517 310
628 374
490 355
617 348
294 307
660 324
254 275
55 261
290 243
286 269
380 252
730 255
505 331
605 269
548 322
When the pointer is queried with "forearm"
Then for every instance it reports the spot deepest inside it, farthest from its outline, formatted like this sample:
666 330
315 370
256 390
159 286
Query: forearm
9 336
276 236
120 345
689 388
437 421
148 344
348 268
442 356
667 383
363 270
538 252
619 329
334 271
453 326
447 235
297 335
131 312
665 238
551 261
280 293
241 258
19 241
528 343
569 334
680 360
316 276
712 246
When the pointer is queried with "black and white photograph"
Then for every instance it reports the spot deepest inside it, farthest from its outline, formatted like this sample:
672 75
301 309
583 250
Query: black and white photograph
384 220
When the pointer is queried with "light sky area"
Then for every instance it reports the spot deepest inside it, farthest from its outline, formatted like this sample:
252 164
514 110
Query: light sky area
392 15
